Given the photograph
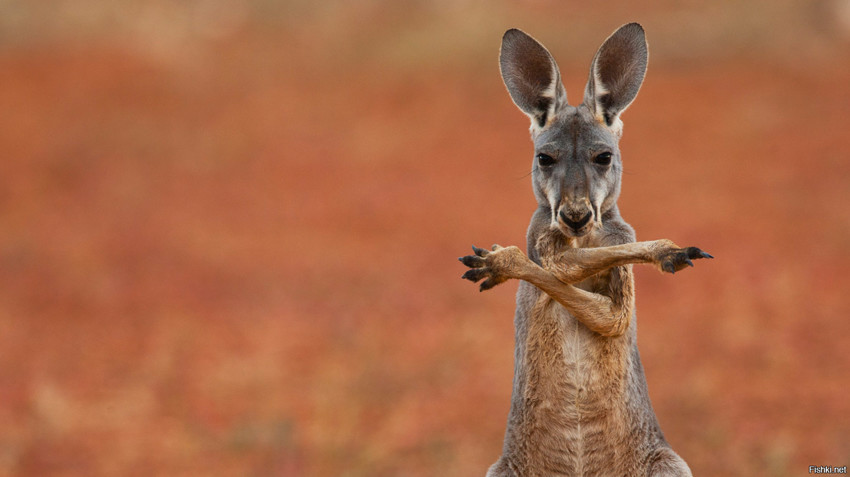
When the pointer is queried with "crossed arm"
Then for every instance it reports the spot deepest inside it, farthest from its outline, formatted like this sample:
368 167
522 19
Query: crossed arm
606 315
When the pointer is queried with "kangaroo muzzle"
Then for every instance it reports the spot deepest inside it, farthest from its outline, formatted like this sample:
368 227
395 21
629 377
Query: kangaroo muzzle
575 220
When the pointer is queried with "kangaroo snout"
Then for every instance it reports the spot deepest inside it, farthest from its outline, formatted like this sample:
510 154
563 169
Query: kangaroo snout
575 220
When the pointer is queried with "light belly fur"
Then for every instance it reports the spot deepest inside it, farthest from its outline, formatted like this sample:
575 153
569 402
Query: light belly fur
573 395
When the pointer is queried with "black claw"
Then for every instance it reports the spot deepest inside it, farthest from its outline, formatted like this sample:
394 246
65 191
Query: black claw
479 251
689 262
694 252
668 267
472 261
486 285
474 274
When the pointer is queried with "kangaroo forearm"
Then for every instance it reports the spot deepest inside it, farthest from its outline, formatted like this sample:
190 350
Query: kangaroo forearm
597 312
578 264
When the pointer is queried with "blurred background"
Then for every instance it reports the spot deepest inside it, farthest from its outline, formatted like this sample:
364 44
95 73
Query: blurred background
229 230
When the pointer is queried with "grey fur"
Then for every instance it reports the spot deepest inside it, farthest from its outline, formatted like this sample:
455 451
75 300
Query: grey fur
580 404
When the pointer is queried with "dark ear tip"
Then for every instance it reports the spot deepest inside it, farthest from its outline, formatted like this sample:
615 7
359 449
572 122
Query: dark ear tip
632 29
514 34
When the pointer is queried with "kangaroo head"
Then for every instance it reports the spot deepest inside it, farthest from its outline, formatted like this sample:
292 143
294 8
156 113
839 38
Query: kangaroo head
577 166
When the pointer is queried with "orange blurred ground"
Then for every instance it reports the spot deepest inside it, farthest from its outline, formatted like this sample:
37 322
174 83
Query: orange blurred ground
242 260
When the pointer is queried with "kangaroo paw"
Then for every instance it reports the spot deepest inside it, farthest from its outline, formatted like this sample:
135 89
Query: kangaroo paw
494 266
675 259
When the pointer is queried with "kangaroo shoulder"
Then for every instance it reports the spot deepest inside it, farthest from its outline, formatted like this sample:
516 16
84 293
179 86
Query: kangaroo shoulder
616 231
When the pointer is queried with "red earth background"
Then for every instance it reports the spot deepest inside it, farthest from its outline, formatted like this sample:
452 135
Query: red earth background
229 230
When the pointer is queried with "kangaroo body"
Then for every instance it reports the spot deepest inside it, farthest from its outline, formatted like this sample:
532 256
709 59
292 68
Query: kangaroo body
580 404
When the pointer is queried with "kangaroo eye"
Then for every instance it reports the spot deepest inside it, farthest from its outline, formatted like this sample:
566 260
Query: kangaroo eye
545 160
603 159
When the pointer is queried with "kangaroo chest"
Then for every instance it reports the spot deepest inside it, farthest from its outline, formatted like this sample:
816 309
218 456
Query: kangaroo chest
571 365
573 385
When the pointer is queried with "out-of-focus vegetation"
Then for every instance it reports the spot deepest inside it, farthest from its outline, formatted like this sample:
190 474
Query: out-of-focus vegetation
229 232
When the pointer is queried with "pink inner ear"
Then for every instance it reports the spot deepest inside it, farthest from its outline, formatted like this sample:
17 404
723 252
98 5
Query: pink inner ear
617 72
531 76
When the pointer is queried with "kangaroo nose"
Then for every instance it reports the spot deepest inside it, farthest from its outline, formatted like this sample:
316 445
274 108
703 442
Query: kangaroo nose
575 225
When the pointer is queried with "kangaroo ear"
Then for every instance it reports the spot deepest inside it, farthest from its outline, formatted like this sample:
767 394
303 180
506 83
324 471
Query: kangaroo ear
531 76
616 74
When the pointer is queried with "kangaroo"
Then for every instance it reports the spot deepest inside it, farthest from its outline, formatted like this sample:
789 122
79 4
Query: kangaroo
580 404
